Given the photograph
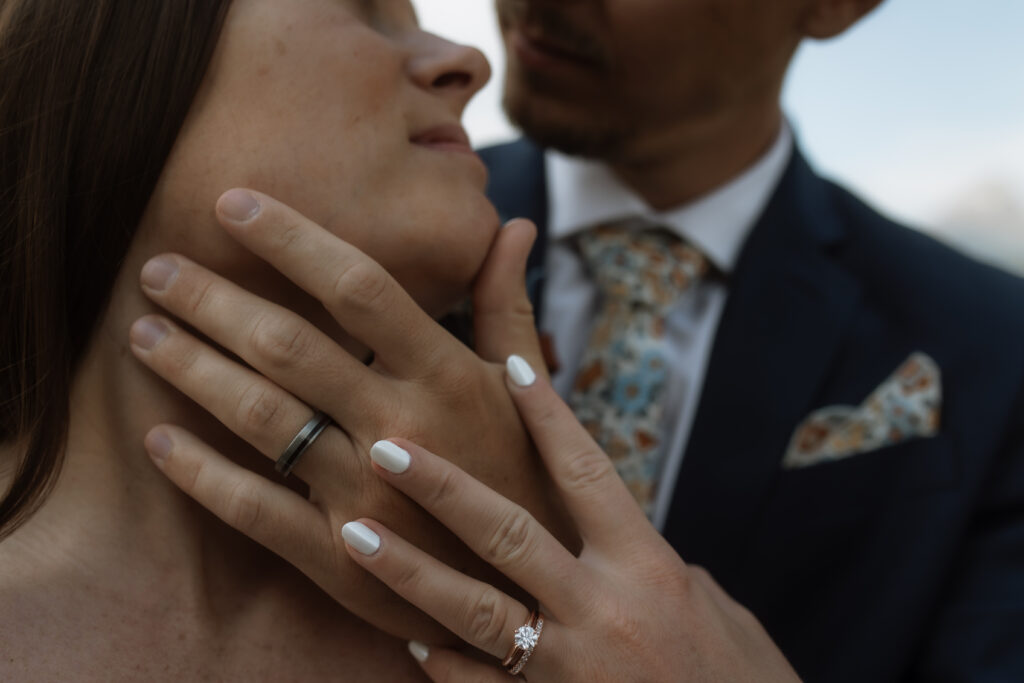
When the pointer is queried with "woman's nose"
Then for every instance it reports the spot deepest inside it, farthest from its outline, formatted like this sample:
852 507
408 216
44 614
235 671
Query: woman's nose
455 72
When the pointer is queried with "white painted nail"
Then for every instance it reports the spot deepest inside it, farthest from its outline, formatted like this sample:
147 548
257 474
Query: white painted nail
419 650
520 371
390 457
361 538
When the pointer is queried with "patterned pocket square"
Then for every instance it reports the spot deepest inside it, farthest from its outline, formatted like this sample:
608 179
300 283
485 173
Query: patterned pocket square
903 407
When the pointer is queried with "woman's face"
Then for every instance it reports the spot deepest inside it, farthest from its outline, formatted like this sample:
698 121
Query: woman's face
347 111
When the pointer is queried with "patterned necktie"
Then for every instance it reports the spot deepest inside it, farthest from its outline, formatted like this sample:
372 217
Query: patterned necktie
619 392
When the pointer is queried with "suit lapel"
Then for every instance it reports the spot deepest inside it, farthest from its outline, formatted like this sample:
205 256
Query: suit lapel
518 189
789 305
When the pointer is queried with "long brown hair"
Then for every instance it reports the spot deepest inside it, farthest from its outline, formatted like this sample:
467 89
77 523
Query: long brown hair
92 96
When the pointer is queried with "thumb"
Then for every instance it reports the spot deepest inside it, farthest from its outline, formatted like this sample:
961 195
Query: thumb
503 321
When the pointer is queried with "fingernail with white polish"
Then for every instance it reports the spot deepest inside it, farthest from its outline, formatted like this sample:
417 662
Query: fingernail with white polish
419 650
520 371
390 457
361 538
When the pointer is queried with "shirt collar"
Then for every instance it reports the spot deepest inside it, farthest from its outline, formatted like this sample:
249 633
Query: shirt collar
585 193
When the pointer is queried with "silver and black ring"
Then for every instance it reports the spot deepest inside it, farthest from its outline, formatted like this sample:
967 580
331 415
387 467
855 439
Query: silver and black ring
302 441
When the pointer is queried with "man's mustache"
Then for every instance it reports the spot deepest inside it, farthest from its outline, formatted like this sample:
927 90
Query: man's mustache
546 24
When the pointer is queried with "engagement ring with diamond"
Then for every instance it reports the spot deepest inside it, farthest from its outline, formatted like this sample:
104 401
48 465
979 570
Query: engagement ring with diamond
523 643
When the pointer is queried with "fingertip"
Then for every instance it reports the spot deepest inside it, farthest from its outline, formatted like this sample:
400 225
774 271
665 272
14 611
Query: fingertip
159 273
522 224
419 651
238 205
391 457
523 235
519 220
159 444
520 372
146 332
360 538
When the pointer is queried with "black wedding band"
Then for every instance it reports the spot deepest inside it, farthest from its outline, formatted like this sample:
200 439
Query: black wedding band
302 441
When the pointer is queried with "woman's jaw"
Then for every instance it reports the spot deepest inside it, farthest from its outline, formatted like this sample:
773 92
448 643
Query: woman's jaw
352 120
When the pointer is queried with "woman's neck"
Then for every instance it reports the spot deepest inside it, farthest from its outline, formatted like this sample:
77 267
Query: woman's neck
111 510
119 550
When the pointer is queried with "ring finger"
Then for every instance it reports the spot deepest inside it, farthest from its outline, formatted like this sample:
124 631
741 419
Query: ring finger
479 613
257 410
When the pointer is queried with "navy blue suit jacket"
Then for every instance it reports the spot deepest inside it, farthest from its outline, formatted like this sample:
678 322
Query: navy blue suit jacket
905 564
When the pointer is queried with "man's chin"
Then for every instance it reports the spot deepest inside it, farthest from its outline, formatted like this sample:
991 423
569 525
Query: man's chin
560 126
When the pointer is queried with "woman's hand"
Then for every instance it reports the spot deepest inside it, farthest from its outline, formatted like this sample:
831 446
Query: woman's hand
627 609
422 383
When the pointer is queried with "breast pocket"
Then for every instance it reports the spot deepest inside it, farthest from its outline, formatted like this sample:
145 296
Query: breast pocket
827 514
860 483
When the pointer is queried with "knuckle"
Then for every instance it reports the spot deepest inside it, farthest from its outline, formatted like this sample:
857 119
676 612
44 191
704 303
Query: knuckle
625 628
486 617
445 490
513 540
745 616
499 302
523 308
455 385
182 358
259 409
290 235
408 578
586 470
243 507
683 583
696 573
189 471
362 285
199 297
280 343
547 416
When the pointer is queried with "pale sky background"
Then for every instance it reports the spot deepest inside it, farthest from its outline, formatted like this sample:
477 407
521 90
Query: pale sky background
919 109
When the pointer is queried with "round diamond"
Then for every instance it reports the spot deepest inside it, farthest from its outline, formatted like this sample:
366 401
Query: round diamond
526 637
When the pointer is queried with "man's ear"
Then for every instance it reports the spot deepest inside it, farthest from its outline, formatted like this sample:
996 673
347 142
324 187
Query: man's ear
828 18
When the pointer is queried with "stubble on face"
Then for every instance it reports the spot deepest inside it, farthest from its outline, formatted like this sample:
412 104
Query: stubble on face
648 82
540 105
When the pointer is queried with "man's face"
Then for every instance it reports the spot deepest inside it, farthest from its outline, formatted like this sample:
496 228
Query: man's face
612 78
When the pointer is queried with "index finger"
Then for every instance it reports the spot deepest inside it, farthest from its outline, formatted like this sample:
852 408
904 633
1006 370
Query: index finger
501 532
363 297
604 510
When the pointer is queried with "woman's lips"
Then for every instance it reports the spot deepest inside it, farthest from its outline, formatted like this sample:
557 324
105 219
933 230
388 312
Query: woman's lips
448 138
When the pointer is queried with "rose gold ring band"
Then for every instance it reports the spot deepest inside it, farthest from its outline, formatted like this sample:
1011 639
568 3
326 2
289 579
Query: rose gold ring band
524 642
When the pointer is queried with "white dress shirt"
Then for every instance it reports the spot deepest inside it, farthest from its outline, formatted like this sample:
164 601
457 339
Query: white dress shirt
584 194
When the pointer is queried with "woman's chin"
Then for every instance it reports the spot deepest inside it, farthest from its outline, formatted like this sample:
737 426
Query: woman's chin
448 283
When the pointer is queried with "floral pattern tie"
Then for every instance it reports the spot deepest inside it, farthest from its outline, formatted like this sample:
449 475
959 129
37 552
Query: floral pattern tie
619 392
